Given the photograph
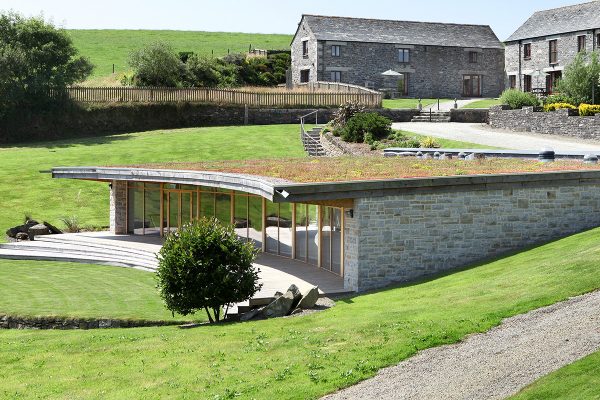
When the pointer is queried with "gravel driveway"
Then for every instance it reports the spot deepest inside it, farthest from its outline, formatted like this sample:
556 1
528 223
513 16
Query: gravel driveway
496 364
483 134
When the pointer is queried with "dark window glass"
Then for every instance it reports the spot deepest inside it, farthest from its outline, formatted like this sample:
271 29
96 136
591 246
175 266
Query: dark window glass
305 48
473 57
403 84
304 75
336 50
336 76
553 50
527 83
404 55
512 81
527 51
580 43
471 85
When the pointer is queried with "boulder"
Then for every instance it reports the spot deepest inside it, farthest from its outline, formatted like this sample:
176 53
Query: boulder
53 230
309 298
250 314
22 236
38 230
283 305
12 232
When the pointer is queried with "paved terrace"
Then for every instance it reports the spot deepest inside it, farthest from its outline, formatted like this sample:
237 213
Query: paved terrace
138 252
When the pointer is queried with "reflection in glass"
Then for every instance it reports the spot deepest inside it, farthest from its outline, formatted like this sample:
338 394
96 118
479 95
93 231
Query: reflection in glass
272 227
207 205
240 218
135 210
285 229
255 220
152 210
223 204
312 233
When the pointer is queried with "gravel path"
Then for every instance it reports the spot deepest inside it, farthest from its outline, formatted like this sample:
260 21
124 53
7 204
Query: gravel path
483 134
496 364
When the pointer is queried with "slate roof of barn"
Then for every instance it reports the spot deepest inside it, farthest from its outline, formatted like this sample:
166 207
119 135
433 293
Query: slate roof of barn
401 32
579 17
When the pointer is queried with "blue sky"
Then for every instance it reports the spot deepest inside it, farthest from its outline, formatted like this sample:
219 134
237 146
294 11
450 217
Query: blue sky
272 16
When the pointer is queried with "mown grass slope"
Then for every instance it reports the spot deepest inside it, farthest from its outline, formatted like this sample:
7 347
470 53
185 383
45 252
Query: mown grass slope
26 189
106 47
296 358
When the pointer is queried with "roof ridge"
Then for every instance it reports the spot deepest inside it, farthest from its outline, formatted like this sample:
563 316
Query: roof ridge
563 7
395 20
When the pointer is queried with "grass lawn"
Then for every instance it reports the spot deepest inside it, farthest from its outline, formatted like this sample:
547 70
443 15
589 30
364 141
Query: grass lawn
302 357
409 103
25 190
578 381
36 288
106 47
483 103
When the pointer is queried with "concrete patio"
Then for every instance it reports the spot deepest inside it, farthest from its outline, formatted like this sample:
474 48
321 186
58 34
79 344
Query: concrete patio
276 273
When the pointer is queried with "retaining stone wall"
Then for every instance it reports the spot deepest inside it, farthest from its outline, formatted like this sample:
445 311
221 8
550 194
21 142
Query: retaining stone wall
469 115
12 322
81 121
407 236
560 122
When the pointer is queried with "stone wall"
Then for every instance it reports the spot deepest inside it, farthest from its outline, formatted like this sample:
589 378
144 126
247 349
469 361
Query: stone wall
422 232
469 115
15 322
299 62
118 208
433 71
540 56
560 122
81 121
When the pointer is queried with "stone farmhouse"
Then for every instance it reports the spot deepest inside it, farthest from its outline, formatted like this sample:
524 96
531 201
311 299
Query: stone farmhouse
538 52
413 59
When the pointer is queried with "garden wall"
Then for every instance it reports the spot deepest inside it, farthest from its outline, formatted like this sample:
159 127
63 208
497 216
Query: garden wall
466 115
77 120
560 122
427 227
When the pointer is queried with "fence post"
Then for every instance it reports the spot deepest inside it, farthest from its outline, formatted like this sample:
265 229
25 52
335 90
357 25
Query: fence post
245 114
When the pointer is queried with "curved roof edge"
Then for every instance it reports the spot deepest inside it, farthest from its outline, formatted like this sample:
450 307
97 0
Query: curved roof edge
222 180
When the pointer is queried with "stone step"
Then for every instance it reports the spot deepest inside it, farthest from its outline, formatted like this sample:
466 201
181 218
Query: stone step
94 243
11 254
64 247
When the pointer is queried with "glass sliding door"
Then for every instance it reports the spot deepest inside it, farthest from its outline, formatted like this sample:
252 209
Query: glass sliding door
152 209
332 239
255 221
272 228
285 229
471 86
135 209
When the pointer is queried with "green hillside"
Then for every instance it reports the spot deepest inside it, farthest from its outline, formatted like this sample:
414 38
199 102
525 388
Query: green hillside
108 47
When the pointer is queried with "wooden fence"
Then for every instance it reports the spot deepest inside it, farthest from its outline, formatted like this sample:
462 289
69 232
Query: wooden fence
275 99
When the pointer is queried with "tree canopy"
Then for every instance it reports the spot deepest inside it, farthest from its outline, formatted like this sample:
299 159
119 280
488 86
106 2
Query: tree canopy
581 79
35 57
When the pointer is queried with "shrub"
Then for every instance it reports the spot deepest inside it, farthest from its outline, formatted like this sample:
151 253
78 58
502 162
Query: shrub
516 99
72 224
366 127
345 112
586 110
429 143
559 106
205 266
581 78
558 98
157 65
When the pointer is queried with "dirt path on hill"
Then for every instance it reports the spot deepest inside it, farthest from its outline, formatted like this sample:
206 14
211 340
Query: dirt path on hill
496 364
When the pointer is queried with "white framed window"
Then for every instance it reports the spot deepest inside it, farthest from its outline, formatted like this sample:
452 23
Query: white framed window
336 50
404 55
336 76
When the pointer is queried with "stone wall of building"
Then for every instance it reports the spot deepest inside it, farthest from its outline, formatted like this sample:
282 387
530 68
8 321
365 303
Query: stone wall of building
540 56
433 71
407 236
299 61
560 122
118 207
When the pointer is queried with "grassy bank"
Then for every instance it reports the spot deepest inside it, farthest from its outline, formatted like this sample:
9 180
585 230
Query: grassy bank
36 288
578 381
27 189
299 357
106 47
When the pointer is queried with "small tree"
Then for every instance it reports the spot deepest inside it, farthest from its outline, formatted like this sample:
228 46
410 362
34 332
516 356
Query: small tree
516 99
205 266
157 65
35 59
581 78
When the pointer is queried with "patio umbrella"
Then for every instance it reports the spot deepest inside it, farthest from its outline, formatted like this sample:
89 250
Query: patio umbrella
391 72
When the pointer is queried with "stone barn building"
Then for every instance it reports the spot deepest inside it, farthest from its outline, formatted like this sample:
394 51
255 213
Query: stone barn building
538 52
412 59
